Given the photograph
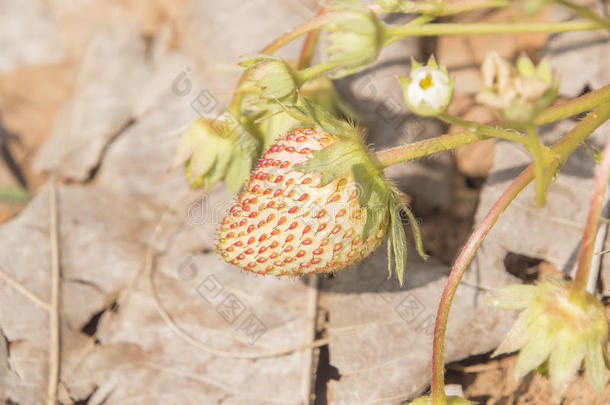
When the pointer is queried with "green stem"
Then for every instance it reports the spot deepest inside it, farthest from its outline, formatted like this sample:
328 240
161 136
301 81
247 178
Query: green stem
536 149
595 210
575 106
562 149
585 12
394 33
314 71
483 129
426 147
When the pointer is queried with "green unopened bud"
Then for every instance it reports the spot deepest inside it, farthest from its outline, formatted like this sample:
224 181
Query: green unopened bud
452 400
519 93
355 36
271 78
558 328
428 90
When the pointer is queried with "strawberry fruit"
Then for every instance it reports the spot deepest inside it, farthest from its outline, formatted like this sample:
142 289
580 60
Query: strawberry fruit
315 203
286 222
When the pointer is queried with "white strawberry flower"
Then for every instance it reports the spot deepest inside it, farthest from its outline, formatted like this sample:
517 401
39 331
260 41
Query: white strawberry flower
428 90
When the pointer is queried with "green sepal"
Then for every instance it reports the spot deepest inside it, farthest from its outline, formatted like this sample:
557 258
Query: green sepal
329 123
321 92
335 160
419 244
213 150
238 173
374 195
398 241
525 66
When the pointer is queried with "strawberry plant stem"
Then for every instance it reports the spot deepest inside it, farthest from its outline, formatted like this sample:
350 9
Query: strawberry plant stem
484 129
564 147
595 210
314 71
426 147
538 151
575 106
459 267
561 150
309 45
397 32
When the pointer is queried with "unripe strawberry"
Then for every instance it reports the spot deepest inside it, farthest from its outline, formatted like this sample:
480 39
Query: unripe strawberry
291 222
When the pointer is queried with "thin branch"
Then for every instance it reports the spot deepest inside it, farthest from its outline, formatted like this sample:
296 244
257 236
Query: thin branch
54 338
24 291
310 333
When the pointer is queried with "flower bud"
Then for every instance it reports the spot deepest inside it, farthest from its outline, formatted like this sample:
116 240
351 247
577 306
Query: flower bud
519 93
355 36
271 78
428 90
559 326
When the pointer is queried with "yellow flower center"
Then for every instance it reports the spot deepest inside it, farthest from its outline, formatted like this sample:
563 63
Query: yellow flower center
426 82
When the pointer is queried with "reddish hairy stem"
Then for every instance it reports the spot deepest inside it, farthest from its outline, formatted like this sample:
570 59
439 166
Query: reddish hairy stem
460 265
595 210
310 44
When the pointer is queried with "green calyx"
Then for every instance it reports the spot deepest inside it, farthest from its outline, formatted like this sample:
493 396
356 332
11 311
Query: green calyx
214 150
559 327
380 200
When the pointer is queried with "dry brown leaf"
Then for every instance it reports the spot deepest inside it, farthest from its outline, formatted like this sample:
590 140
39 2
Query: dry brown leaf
108 83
